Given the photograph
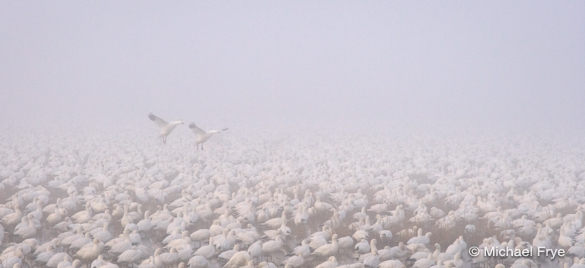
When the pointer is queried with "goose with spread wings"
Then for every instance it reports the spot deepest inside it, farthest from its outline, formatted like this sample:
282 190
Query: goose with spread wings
165 127
201 136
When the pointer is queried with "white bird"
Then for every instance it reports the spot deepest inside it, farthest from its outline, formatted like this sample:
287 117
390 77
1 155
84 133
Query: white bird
328 249
130 256
57 258
169 258
101 263
198 262
201 136
90 251
26 227
271 247
294 261
329 263
239 259
206 251
391 264
165 127
362 247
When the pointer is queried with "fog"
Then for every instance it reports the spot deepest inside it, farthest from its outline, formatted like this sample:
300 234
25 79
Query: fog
296 134
377 64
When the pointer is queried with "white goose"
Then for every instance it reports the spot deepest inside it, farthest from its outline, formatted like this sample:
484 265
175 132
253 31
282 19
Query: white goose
329 263
391 264
239 259
202 136
328 249
165 127
90 251
294 261
57 258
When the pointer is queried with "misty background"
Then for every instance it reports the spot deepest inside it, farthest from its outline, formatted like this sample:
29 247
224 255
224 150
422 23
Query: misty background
375 64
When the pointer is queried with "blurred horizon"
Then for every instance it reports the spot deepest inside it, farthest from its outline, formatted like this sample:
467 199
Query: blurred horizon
357 66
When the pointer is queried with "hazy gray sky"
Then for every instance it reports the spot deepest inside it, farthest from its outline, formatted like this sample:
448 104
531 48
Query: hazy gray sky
390 62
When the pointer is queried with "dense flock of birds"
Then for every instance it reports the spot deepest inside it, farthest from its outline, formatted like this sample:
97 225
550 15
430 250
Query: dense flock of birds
286 200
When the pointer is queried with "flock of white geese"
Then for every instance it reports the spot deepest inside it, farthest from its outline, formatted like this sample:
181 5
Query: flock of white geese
285 200
166 128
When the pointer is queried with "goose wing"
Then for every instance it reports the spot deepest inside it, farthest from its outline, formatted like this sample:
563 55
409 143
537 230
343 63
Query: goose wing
198 131
215 131
157 120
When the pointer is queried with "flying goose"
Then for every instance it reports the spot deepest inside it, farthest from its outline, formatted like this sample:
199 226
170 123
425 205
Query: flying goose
165 127
202 136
